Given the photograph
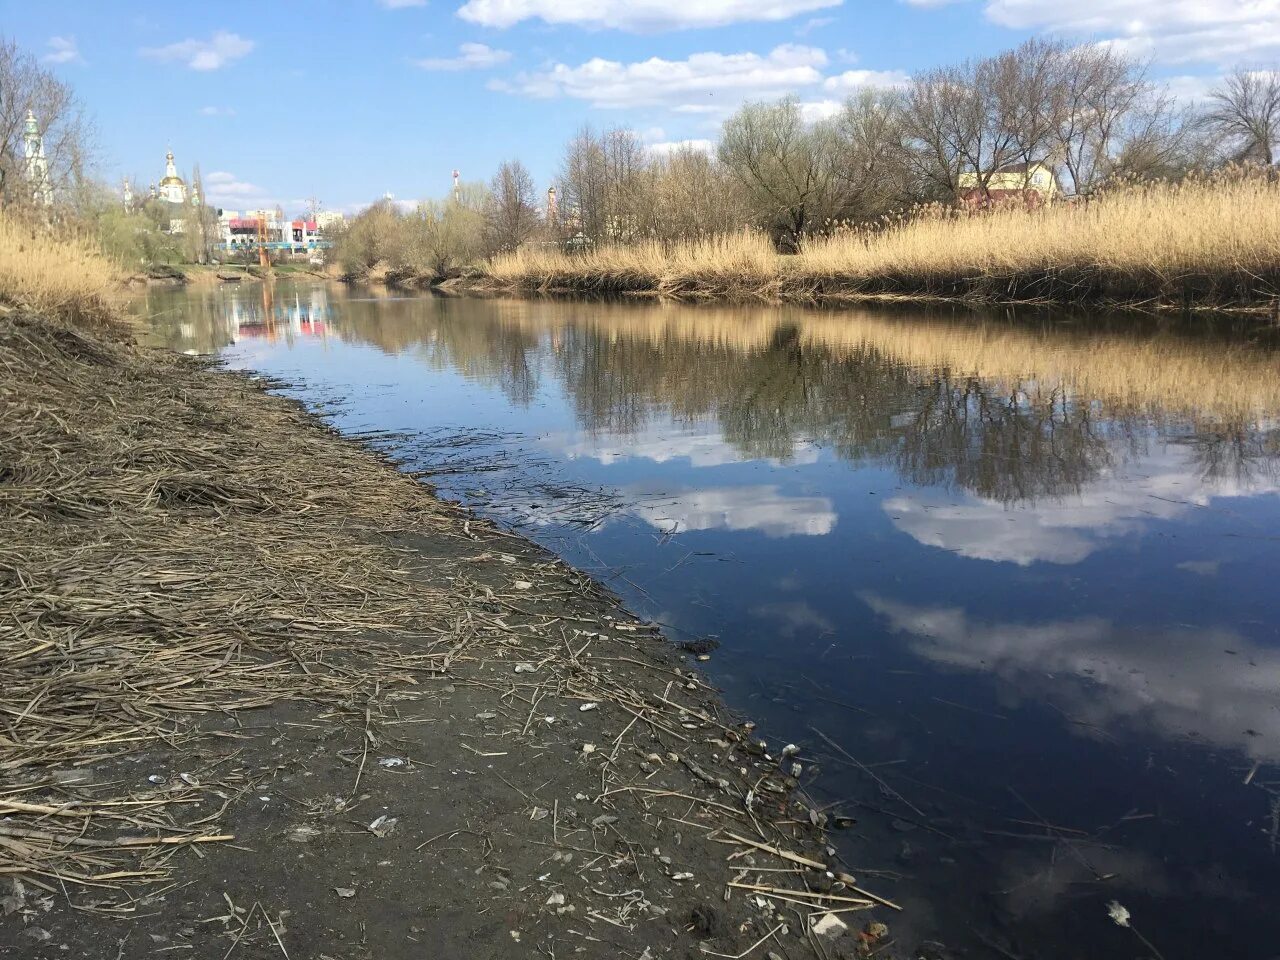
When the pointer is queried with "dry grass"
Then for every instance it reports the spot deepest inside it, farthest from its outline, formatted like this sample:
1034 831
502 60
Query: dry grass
166 555
63 278
742 264
1204 243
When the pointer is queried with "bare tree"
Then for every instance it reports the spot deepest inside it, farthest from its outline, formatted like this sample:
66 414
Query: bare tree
1245 112
784 164
512 214
25 86
1101 91
944 124
690 195
584 178
870 175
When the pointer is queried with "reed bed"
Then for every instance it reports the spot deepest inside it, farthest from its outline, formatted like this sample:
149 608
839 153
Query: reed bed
1204 243
738 265
58 277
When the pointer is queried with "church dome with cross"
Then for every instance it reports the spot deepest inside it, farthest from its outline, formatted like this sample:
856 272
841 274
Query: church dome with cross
172 188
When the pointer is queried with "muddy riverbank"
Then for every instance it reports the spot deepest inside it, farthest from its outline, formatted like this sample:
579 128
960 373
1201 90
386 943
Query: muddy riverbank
266 695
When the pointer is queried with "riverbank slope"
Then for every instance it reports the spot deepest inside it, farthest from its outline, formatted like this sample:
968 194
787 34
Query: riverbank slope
263 692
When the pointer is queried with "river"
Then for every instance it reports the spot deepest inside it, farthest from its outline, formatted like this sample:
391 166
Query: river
1009 582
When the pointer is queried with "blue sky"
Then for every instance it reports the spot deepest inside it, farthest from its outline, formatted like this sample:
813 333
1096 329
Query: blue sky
347 100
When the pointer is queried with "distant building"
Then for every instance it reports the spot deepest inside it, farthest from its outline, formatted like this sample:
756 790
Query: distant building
241 232
37 166
1028 184
328 220
173 188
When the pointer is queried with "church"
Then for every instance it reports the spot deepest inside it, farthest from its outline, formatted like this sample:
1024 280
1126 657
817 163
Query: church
173 191
173 188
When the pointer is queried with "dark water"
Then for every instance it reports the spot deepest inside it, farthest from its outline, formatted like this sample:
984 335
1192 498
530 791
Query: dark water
1022 571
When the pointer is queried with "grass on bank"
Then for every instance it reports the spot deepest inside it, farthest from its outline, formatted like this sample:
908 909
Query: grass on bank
1203 242
67 278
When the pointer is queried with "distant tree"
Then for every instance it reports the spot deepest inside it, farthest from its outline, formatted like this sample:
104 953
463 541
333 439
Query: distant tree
512 214
690 194
785 166
68 134
1245 111
440 236
584 182
871 177
369 238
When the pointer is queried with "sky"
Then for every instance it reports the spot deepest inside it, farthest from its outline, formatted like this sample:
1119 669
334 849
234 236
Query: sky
347 100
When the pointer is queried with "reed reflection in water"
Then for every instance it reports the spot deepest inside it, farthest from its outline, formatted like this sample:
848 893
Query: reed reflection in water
1020 566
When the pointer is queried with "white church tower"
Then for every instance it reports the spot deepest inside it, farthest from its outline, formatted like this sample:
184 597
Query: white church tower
37 165
172 187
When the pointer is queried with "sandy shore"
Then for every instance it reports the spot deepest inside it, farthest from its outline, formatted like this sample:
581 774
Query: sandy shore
264 696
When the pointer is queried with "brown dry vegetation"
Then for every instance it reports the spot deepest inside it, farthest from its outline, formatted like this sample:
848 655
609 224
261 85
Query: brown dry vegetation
1203 243
67 278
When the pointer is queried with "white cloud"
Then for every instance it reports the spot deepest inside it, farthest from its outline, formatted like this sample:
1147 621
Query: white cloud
471 56
1189 89
222 187
815 23
705 82
761 508
811 111
637 14
852 80
212 111
665 148
219 50
63 50
1172 31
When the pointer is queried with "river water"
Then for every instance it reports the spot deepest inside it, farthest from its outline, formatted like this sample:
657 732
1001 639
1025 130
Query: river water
1010 582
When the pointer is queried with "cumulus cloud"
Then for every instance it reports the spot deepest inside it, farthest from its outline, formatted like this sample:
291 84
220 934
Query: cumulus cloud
223 187
851 80
1173 31
811 111
213 54
471 56
63 50
705 82
212 111
637 14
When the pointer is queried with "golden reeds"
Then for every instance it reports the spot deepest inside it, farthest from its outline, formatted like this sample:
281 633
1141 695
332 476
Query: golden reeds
63 277
1205 242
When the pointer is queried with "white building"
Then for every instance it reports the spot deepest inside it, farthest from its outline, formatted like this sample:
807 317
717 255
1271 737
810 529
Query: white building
37 166
172 188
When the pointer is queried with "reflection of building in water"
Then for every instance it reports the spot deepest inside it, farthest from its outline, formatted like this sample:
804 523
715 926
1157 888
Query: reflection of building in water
296 315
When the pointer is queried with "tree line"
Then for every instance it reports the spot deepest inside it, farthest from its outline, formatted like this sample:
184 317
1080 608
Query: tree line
1090 113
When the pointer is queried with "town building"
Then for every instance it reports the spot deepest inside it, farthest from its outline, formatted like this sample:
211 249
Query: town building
242 232
1027 184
